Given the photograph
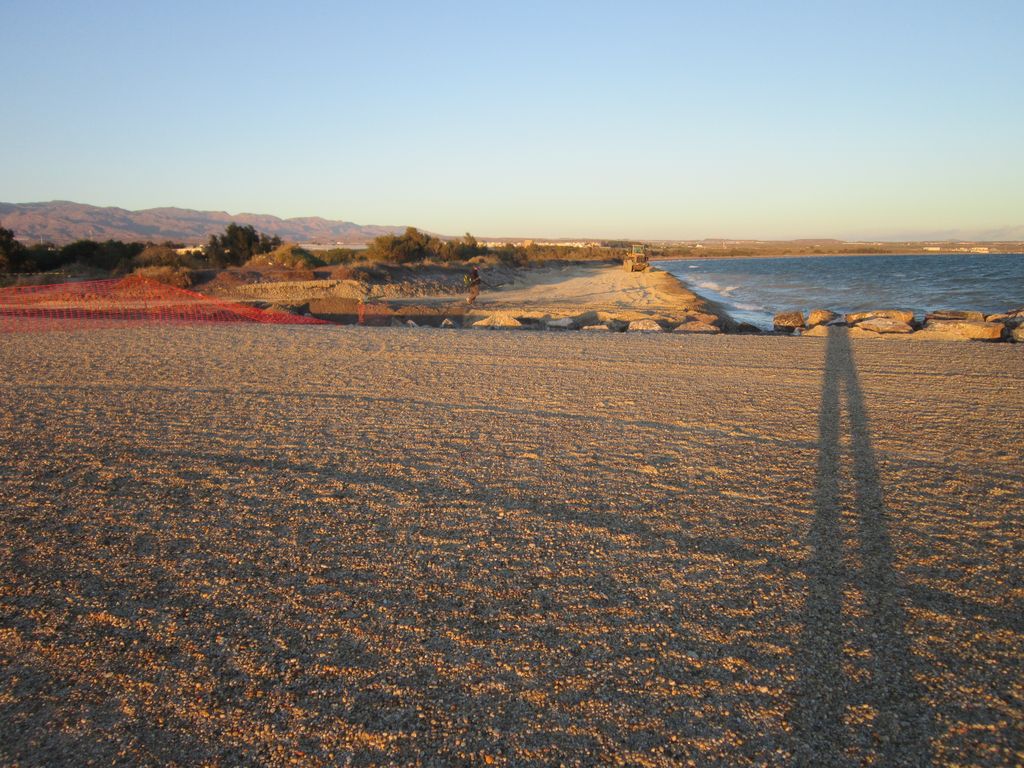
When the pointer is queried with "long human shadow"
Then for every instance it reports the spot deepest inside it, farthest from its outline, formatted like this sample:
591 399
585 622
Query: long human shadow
902 724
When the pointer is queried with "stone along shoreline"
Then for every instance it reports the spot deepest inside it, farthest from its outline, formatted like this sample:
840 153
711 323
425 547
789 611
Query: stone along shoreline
944 325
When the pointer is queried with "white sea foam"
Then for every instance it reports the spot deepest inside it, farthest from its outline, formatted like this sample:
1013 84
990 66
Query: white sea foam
709 285
721 290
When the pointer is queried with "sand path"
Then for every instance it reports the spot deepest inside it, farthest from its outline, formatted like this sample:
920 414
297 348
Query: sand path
355 546
593 287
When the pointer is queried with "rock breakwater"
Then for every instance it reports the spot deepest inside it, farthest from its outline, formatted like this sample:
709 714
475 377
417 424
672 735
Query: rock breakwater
942 325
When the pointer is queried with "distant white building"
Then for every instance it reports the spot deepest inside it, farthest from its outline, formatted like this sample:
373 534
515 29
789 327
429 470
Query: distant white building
545 243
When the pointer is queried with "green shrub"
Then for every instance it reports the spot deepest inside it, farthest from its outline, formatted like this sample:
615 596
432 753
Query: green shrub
340 255
415 246
164 256
288 255
179 277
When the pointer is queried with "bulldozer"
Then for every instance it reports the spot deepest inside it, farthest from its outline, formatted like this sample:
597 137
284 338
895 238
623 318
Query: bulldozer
636 259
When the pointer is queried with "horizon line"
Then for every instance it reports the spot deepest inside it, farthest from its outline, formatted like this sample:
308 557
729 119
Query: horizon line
946 237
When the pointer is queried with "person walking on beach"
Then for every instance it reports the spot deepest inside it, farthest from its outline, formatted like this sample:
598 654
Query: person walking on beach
473 281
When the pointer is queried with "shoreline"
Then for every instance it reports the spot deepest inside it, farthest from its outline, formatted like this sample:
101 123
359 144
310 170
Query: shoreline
976 287
559 295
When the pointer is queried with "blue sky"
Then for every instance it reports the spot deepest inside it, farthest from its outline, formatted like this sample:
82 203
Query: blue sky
641 120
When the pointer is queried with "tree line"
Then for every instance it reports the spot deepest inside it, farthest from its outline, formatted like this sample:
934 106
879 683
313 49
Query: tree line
44 257
414 246
237 245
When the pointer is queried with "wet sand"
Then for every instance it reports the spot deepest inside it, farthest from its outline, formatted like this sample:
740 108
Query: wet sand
351 546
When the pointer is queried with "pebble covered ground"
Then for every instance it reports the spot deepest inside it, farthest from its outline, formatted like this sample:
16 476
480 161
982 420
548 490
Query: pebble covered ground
345 546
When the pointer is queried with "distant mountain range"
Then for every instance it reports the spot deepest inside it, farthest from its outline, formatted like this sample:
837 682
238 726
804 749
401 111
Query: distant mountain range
61 222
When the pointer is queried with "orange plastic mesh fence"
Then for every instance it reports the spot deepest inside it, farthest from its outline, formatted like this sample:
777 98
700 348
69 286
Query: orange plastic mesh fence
127 300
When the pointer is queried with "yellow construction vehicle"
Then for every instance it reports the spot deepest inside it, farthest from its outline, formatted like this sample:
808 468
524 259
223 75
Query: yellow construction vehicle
636 259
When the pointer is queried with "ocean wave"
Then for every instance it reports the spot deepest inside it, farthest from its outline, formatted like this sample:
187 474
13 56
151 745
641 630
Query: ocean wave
721 290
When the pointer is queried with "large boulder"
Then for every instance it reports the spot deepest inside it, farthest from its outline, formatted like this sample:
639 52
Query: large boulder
856 332
1008 319
702 317
644 326
498 320
1018 334
903 315
787 322
961 330
447 323
955 314
884 325
696 326
821 317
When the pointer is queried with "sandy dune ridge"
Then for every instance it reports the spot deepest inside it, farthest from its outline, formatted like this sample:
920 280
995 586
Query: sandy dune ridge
570 289
351 546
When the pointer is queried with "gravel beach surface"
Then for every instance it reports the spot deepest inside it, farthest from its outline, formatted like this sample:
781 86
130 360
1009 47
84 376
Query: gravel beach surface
346 546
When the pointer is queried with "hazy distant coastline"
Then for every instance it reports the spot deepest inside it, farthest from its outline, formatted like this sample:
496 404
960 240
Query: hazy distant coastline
63 222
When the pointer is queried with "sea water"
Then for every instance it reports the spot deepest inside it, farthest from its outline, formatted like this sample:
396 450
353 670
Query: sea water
753 290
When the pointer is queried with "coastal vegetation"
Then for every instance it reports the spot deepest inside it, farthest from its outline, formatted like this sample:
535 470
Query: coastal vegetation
168 261
414 247
165 256
238 244
43 257
288 256
243 245
179 277
10 249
